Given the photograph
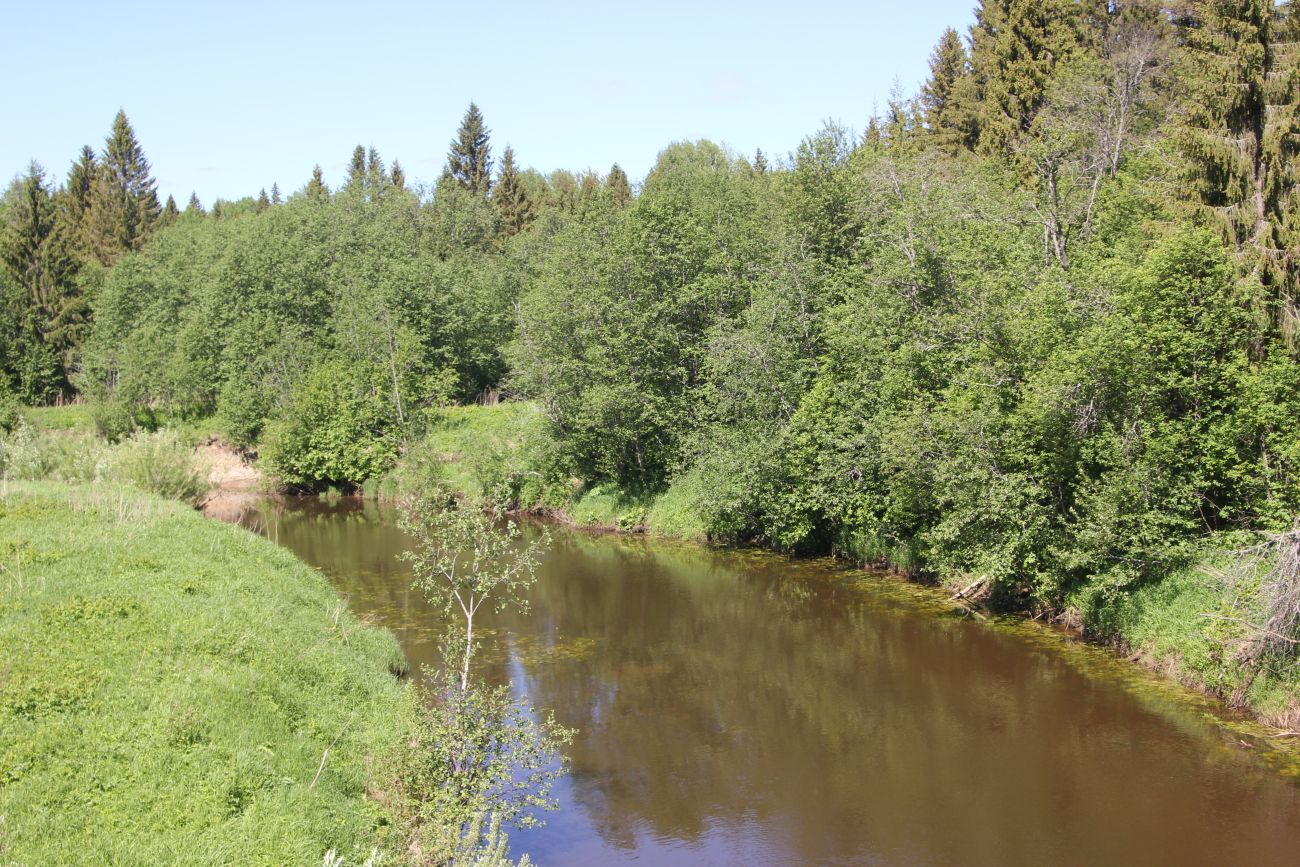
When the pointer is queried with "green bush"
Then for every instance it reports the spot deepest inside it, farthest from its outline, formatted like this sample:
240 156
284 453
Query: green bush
10 413
114 419
38 371
243 411
336 432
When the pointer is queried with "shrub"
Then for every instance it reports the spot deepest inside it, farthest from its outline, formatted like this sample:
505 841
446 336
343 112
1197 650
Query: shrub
336 432
29 454
161 463
9 410
114 419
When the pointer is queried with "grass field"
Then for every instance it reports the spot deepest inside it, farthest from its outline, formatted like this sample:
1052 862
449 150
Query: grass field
72 417
169 687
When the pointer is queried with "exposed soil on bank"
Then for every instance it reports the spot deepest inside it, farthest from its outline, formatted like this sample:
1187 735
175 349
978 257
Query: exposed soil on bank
230 469
233 479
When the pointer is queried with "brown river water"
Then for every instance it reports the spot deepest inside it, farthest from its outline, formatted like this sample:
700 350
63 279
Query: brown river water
742 708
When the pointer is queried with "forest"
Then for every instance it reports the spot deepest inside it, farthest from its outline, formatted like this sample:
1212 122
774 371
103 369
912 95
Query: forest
1036 326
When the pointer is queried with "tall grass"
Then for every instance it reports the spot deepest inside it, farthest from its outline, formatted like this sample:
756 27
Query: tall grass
159 462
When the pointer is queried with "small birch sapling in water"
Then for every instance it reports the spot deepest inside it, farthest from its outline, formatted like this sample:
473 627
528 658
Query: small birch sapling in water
477 750
465 558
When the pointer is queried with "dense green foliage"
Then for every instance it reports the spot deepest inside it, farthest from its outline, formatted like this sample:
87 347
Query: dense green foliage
330 317
1034 326
1034 364
171 685
325 328
41 308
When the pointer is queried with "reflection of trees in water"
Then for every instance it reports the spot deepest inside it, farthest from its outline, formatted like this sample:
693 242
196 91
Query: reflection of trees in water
730 689
355 543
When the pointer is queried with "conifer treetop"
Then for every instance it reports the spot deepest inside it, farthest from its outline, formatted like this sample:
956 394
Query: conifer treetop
469 160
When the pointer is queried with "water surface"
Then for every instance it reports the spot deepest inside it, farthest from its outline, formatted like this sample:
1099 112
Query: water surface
739 708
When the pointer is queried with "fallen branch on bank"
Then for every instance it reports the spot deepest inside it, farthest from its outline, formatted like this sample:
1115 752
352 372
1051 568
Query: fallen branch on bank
968 592
325 755
975 590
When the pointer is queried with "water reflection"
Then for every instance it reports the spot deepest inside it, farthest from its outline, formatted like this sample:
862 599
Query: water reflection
739 708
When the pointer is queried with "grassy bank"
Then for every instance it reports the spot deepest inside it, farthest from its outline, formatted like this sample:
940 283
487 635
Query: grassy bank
1191 625
486 452
1195 625
169 686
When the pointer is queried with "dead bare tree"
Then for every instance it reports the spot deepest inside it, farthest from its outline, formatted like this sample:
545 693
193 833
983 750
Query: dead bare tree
1094 115
1273 624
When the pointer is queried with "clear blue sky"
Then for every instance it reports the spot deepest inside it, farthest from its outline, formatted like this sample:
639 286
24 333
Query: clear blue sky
228 97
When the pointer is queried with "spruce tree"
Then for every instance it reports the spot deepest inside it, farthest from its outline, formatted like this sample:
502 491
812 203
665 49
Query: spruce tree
263 201
1016 47
376 177
903 122
872 137
356 167
760 162
169 212
510 196
941 95
316 189
124 203
276 198
78 192
36 253
948 63
1240 74
469 161
398 176
620 190
195 206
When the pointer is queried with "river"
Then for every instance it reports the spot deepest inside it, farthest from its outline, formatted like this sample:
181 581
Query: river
741 708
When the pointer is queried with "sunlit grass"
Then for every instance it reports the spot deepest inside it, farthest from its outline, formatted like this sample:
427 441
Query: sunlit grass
169 686
72 417
470 445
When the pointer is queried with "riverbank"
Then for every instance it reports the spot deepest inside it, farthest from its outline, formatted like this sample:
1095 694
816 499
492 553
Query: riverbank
1187 626
689 670
486 452
176 690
